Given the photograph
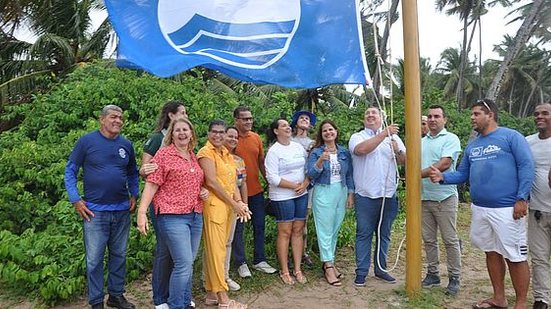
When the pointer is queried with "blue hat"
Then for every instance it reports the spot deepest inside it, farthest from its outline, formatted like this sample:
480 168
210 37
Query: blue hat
309 114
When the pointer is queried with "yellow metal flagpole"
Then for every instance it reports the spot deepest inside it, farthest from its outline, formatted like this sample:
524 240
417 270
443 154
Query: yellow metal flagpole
413 145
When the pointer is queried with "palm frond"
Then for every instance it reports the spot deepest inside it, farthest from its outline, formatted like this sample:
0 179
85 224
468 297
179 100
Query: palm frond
22 85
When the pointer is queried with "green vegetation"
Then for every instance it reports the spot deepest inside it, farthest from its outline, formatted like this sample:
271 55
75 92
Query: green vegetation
41 250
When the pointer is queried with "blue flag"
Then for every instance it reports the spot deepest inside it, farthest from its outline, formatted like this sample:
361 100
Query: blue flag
291 43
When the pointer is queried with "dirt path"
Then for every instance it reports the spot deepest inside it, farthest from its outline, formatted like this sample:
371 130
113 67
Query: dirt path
269 292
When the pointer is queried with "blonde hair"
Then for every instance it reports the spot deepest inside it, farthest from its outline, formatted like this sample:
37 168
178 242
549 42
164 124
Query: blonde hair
167 140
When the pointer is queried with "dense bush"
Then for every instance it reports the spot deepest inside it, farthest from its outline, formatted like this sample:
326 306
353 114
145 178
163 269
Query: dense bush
41 250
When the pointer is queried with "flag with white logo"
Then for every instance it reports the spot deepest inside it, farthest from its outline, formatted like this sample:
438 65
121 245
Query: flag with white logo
292 43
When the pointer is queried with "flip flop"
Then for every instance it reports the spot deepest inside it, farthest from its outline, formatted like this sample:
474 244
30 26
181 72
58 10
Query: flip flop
488 303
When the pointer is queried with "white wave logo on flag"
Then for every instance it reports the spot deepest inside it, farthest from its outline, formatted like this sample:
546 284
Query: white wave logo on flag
250 34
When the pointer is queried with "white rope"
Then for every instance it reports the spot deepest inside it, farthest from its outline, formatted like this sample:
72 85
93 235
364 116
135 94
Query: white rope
382 108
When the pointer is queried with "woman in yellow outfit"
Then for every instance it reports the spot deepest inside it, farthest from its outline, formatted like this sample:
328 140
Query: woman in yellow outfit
223 204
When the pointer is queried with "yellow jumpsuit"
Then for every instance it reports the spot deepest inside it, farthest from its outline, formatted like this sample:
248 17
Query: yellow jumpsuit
217 218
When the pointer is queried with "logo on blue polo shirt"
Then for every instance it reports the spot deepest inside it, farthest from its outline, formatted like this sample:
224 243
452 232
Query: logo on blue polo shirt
122 153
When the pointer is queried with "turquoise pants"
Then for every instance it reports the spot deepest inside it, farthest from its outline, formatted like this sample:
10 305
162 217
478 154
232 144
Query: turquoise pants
328 207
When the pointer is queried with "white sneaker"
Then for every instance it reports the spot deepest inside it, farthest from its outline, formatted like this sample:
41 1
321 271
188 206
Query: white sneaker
232 285
244 271
264 267
192 303
162 306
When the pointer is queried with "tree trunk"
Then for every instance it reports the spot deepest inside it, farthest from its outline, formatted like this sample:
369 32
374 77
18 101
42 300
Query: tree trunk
384 42
460 93
522 36
480 86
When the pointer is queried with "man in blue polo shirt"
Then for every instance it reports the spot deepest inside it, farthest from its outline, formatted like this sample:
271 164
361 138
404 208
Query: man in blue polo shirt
110 179
499 166
440 149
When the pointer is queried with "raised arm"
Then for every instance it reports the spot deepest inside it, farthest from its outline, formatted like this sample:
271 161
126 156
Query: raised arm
368 145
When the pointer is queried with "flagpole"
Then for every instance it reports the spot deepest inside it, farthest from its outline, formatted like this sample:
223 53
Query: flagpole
412 87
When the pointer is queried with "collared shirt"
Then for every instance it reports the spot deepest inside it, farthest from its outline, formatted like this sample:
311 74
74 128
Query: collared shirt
433 148
179 182
226 169
250 148
374 173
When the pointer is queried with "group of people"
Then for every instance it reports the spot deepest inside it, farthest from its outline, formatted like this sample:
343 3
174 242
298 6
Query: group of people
212 194
506 173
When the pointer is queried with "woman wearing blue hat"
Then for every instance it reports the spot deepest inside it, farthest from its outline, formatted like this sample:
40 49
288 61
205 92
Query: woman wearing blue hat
302 122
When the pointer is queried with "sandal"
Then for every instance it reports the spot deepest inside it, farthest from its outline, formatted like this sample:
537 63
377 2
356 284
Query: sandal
336 282
286 278
211 301
232 304
338 273
488 303
300 277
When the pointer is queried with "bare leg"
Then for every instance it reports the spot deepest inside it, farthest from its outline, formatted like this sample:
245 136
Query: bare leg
496 269
520 276
297 243
282 244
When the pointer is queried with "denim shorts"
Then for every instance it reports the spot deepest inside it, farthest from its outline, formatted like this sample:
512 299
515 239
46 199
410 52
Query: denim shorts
291 210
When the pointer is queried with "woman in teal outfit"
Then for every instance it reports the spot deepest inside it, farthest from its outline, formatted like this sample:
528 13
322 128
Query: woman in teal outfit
330 169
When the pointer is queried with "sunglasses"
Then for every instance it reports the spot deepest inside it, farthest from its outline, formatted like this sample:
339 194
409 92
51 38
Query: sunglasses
485 105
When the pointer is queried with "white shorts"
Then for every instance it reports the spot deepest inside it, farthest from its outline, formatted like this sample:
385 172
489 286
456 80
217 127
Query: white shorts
494 229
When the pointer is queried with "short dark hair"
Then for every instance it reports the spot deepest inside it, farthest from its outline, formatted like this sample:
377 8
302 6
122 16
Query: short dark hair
274 125
231 128
217 122
237 111
487 106
436 106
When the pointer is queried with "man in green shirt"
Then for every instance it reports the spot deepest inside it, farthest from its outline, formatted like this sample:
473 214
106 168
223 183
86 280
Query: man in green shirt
440 149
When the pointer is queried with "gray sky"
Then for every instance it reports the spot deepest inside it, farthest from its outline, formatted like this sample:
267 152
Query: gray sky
437 31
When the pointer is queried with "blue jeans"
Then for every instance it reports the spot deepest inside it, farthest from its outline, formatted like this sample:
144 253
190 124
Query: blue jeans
256 205
107 229
180 236
162 265
368 212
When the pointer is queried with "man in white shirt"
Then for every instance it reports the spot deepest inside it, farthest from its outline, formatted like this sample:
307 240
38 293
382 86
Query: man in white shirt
375 152
539 219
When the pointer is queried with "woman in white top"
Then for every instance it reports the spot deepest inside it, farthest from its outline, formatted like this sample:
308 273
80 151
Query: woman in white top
285 171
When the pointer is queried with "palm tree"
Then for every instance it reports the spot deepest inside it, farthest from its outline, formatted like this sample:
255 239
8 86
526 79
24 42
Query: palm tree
449 68
64 38
527 80
463 8
532 18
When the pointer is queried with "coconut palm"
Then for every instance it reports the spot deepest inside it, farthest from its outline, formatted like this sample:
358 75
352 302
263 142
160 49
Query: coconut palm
527 80
64 37
449 68
534 14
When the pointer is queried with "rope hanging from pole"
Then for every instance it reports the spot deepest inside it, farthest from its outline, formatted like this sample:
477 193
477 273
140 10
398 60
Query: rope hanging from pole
382 108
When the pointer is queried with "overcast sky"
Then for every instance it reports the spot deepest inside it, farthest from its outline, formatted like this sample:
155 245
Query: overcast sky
437 31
